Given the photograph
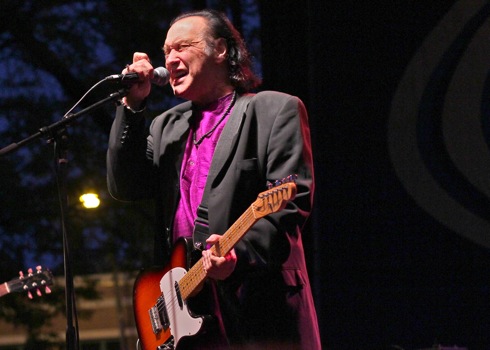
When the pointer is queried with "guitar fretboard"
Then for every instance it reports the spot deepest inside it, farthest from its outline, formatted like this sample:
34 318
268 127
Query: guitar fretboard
196 275
267 202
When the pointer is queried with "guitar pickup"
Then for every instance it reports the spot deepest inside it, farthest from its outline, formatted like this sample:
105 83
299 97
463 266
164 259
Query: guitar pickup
159 316
179 296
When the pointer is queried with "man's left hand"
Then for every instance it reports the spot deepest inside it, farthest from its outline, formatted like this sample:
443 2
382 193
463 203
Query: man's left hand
217 267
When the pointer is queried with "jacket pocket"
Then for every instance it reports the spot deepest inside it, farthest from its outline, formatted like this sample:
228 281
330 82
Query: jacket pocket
294 282
293 277
247 164
248 178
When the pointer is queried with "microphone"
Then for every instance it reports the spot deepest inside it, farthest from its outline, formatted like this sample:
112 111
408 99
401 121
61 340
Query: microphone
161 76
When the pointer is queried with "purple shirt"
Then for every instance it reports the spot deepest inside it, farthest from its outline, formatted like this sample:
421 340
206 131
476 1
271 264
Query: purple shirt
196 163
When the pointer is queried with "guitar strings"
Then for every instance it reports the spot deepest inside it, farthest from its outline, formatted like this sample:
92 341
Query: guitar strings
197 269
196 273
227 242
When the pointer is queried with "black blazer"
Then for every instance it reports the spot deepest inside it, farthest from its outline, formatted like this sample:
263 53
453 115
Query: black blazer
267 141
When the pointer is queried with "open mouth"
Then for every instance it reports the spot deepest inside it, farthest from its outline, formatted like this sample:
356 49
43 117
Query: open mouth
178 76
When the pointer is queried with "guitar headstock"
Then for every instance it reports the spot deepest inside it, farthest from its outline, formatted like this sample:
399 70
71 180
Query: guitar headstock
32 281
276 197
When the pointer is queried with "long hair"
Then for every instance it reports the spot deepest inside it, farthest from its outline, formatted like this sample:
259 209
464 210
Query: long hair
239 60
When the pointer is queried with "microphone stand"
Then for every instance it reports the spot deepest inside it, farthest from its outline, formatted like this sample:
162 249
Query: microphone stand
56 133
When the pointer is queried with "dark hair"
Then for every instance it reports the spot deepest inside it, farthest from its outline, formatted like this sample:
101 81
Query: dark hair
239 59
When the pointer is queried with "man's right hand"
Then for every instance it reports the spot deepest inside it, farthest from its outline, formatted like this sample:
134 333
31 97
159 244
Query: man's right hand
139 91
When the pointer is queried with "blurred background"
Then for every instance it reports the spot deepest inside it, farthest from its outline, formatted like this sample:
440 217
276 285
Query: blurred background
397 93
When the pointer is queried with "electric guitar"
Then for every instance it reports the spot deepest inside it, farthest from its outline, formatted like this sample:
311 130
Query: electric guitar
160 295
26 283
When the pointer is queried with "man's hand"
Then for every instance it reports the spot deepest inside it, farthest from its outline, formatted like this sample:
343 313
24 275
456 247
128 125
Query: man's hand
139 91
217 267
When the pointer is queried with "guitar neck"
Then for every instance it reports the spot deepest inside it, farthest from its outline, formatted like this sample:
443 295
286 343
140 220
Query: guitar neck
196 275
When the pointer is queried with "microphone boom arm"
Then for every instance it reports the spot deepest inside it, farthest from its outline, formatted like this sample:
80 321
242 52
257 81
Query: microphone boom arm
51 130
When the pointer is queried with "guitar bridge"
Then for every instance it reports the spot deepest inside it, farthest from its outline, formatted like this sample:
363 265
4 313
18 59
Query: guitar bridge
159 316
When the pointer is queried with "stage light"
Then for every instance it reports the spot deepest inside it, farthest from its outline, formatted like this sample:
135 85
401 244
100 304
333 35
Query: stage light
90 200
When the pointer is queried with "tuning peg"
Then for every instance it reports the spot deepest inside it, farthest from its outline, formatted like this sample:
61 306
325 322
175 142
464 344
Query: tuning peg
292 178
47 290
29 294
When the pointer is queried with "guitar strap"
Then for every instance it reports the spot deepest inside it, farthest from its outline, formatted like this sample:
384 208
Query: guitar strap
201 224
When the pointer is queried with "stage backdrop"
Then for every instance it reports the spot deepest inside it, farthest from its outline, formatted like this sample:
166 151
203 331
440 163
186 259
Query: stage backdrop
398 94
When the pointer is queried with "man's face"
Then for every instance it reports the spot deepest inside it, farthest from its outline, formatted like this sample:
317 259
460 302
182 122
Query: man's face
190 59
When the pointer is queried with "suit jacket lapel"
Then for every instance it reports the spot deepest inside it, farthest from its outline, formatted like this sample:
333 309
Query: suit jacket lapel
180 129
223 150
176 135
227 139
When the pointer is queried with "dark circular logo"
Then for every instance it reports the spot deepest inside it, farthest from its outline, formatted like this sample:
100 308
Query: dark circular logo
438 132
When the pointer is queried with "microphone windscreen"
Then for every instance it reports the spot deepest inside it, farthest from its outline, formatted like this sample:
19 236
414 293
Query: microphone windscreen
161 76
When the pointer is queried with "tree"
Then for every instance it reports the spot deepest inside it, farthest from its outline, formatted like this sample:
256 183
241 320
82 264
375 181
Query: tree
51 53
